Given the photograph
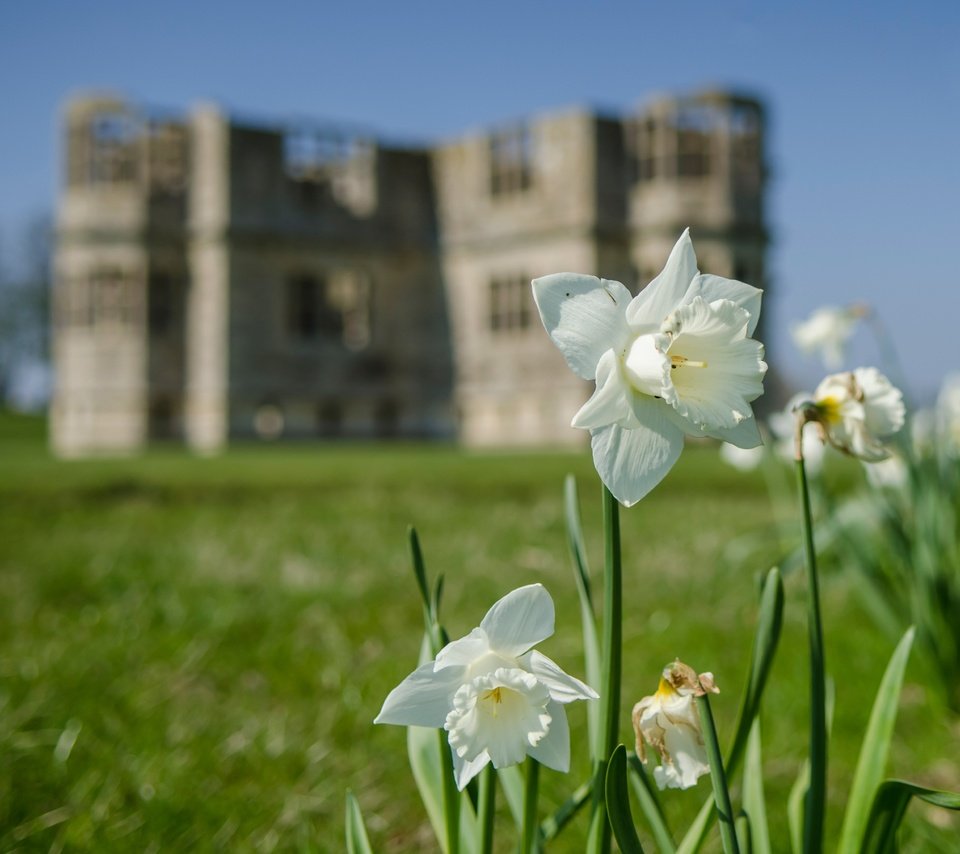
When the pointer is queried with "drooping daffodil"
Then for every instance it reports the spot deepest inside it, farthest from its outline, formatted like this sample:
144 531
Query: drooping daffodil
856 411
675 360
783 426
828 331
498 699
669 722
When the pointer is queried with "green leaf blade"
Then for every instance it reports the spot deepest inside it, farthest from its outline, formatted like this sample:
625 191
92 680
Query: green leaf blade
618 803
874 750
356 833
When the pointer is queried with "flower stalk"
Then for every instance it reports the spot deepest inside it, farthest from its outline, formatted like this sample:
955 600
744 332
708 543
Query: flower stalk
816 792
485 808
721 794
599 841
529 842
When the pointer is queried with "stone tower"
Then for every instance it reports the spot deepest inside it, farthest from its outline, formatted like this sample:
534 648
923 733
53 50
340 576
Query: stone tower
584 193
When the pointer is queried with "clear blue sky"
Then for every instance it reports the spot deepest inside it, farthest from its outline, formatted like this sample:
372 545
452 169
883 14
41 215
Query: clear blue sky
864 98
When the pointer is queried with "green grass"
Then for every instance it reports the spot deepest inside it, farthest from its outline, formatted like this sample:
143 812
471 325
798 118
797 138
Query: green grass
192 650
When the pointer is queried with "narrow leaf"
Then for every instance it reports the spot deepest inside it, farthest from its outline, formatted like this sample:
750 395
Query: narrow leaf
618 803
581 574
890 806
798 793
873 752
744 833
553 824
419 570
765 641
423 749
357 841
646 795
754 802
511 782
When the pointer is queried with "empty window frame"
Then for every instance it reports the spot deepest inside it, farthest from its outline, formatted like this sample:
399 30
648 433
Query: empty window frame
112 297
509 308
108 150
511 161
643 150
163 304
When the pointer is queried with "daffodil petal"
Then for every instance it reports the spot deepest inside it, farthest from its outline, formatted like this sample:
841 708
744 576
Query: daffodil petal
688 758
716 287
519 620
746 434
464 651
553 750
423 698
563 687
584 315
608 404
885 413
632 461
666 291
465 770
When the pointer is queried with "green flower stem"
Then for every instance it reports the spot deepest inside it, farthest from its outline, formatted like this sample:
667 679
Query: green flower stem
599 840
451 796
485 807
817 791
529 838
718 777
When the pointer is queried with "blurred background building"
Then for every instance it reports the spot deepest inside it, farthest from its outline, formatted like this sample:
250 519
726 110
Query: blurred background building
220 279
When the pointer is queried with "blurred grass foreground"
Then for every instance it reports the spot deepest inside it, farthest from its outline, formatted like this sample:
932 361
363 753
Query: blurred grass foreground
193 650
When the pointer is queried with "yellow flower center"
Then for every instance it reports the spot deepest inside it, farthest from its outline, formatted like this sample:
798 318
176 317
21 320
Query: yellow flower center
829 408
493 694
664 690
684 362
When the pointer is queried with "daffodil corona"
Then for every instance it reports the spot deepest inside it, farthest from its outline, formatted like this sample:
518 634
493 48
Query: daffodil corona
675 360
498 699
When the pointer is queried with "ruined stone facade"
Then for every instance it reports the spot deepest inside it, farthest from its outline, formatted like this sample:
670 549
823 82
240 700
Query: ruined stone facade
217 279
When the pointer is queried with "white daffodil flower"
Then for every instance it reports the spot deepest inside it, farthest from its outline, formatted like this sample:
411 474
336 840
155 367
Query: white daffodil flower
857 410
675 360
827 332
498 699
669 722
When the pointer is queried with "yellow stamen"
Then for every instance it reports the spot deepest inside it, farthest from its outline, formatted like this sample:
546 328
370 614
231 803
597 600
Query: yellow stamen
494 694
684 362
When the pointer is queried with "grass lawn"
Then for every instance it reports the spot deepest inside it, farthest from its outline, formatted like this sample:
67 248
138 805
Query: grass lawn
192 651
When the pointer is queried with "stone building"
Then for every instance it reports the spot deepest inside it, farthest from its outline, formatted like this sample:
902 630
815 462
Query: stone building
218 279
